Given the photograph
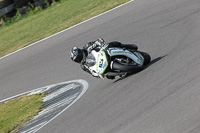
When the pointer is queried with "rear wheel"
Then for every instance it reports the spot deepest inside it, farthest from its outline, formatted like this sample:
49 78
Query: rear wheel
147 57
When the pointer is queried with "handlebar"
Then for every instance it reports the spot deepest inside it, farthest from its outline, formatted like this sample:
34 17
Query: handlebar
101 43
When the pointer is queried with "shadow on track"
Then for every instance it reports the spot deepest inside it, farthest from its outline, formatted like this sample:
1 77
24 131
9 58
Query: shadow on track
145 67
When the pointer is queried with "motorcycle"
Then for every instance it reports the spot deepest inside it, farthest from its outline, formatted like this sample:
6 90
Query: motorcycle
111 62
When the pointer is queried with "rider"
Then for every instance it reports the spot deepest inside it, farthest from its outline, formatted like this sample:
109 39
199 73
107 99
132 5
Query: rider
78 55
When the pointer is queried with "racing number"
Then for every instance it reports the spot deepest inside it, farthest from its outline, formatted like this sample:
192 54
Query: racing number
101 63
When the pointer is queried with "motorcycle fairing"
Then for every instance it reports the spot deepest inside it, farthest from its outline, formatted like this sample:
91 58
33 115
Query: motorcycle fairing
101 62
135 56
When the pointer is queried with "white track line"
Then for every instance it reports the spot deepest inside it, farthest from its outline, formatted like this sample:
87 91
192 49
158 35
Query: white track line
83 82
85 87
67 29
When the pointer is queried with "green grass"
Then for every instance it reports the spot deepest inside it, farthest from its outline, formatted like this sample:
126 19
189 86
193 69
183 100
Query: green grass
16 112
49 21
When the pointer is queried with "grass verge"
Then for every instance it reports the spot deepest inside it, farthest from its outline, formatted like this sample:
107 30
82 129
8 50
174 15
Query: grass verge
55 18
16 112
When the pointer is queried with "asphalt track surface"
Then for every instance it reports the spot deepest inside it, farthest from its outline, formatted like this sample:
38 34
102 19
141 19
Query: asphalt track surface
163 98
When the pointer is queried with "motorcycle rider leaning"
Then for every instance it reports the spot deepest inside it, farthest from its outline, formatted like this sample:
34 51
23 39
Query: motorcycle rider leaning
78 55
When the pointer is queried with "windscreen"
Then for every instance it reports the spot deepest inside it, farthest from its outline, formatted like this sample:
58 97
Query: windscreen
90 60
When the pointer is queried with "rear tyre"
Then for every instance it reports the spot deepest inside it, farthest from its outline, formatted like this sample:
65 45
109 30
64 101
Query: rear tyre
147 57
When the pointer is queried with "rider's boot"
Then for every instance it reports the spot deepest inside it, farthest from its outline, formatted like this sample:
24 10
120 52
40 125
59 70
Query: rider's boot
126 46
130 46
